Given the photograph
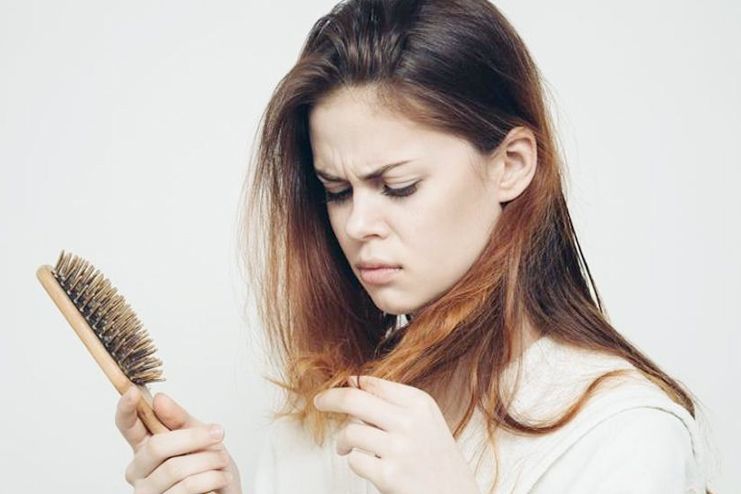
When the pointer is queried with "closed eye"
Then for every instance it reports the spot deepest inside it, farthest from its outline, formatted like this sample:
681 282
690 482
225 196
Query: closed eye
389 191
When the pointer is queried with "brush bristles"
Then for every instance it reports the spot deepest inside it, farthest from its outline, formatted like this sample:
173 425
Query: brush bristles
110 318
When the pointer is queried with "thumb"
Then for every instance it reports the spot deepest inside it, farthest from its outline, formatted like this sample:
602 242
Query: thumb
172 414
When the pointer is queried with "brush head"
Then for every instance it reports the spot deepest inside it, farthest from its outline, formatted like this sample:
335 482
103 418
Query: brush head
110 318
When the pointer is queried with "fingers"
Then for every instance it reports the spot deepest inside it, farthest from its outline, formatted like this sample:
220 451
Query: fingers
172 414
364 437
160 447
181 468
127 421
202 482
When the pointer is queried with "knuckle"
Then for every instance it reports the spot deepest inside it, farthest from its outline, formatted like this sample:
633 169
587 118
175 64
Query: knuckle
118 420
424 402
396 446
155 448
137 446
405 422
172 468
190 485
224 478
424 395
432 402
347 434
353 427
202 434
139 487
122 411
129 475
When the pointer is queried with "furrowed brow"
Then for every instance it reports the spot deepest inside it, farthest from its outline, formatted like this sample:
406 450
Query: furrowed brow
370 176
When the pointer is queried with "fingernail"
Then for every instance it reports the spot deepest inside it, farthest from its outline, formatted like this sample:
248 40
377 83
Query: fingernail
216 431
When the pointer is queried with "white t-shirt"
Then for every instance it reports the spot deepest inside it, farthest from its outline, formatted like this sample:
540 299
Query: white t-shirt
628 438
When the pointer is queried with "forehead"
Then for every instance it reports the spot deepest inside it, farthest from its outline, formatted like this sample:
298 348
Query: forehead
349 127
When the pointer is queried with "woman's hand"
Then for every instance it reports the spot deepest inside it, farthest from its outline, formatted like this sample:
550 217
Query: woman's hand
187 459
411 449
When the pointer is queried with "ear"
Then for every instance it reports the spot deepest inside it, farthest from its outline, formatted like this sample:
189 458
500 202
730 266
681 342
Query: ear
512 165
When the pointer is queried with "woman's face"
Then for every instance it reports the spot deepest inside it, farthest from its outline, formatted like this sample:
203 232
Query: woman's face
429 218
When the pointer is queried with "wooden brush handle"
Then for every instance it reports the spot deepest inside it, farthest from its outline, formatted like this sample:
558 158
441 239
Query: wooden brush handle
97 350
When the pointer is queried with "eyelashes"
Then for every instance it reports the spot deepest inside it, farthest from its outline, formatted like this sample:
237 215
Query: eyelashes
399 193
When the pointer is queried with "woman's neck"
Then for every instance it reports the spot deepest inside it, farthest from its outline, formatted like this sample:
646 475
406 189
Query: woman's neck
454 400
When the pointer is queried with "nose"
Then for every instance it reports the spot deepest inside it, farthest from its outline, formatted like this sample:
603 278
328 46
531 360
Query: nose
366 217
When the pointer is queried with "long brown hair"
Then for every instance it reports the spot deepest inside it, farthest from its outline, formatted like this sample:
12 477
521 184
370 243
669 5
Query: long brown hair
457 66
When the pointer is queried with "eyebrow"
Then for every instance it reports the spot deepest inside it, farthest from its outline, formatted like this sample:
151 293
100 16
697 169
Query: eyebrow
370 176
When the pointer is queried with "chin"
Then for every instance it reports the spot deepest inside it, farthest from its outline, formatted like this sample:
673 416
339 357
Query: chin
395 308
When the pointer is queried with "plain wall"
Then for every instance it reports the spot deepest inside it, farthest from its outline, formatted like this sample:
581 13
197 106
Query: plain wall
125 132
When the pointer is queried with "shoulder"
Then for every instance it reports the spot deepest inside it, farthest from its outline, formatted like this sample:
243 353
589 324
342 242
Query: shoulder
641 449
629 431
643 435
554 374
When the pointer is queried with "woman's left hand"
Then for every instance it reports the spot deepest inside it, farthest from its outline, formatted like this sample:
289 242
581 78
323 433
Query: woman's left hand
410 447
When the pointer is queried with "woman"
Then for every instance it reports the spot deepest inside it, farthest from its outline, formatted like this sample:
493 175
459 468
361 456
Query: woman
409 192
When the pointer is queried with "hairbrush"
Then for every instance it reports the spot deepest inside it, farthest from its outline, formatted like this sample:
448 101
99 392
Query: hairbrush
108 327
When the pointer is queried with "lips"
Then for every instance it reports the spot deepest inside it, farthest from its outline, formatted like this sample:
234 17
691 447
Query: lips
379 275
375 264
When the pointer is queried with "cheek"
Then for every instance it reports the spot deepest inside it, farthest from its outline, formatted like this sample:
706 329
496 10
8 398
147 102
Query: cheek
451 232
349 247
335 221
450 217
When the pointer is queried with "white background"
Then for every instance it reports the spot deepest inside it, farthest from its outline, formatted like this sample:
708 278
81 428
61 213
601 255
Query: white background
125 131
